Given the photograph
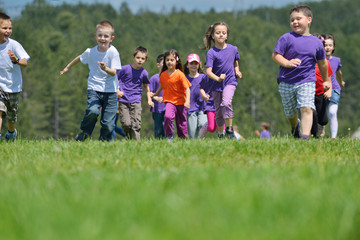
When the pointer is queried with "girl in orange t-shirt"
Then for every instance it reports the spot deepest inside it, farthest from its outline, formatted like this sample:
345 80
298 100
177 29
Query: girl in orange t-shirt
176 95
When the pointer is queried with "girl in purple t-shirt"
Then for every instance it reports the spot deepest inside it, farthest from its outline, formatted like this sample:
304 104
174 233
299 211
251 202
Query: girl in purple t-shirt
336 81
195 114
222 66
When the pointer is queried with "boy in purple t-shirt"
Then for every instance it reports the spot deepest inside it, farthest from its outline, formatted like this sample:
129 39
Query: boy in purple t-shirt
158 111
296 53
130 79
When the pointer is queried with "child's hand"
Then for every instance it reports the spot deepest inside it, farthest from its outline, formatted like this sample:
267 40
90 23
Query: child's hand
119 93
12 56
102 65
158 99
222 77
64 71
327 94
327 86
342 84
206 97
293 63
238 74
187 105
151 94
151 103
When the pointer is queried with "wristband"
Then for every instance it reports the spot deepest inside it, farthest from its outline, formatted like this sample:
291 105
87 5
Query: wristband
16 61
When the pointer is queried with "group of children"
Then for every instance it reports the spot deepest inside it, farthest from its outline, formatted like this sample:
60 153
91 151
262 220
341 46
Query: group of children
198 102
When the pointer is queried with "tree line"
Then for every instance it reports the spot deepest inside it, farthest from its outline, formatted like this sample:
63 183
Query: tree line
52 106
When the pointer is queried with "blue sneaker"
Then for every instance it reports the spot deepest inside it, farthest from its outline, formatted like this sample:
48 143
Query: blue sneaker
170 139
82 136
0 138
11 136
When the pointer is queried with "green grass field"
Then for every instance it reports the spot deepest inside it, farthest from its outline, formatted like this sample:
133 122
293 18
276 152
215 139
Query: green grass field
201 189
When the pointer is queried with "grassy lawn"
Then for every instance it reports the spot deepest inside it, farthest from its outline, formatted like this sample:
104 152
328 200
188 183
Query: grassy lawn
201 189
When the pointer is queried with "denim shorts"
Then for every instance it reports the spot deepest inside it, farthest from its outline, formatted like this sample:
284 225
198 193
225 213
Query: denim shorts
9 106
295 96
335 96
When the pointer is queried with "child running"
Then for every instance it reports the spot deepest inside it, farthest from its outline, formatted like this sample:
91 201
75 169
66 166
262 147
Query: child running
297 52
205 91
336 81
222 66
158 111
12 57
320 118
176 95
131 77
196 116
103 60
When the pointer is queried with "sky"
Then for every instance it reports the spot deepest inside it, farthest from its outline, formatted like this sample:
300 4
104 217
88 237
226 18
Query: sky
13 8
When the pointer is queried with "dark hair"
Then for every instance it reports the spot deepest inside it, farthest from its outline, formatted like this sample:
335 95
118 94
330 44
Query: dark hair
104 24
160 58
3 16
208 35
330 36
306 10
321 37
174 53
186 69
265 125
140 49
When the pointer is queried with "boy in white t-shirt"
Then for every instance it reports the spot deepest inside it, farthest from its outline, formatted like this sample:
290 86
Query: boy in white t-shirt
12 57
103 88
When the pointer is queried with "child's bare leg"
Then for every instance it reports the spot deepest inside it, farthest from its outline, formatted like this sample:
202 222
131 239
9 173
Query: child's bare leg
306 120
228 122
220 129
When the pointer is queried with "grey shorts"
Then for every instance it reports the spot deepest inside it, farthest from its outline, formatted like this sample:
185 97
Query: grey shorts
295 96
9 106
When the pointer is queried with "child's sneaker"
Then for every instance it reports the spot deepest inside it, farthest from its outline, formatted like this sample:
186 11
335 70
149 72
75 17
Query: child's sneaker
82 136
230 132
11 136
0 138
170 139
296 131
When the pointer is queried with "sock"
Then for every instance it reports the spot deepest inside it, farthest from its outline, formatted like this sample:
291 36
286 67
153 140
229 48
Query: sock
305 137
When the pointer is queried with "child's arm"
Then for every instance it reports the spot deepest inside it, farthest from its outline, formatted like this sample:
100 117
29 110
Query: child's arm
204 95
282 61
72 63
237 70
339 78
323 67
110 71
15 60
213 76
157 92
148 94
187 95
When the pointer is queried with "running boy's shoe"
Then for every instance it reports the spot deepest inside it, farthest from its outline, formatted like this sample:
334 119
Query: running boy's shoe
296 131
229 132
11 136
82 136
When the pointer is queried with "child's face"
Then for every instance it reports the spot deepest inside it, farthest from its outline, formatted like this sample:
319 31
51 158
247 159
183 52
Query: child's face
160 64
220 34
139 60
299 23
193 66
329 47
104 37
5 30
170 62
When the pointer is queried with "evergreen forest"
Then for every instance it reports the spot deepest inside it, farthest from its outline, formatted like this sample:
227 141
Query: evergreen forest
52 106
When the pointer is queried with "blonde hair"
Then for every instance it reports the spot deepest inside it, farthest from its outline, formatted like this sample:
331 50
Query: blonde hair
105 24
